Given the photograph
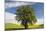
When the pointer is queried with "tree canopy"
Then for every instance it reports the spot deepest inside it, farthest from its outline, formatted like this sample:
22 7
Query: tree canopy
26 13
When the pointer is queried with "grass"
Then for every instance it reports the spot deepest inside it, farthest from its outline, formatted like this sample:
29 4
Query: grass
36 26
11 26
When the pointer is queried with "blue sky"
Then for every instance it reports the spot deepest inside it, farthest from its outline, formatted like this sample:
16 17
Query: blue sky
10 7
38 7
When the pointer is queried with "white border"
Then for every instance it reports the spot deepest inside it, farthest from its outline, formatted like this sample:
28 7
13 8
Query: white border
44 15
2 15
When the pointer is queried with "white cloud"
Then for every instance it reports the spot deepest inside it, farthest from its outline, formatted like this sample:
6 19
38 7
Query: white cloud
40 21
10 18
16 4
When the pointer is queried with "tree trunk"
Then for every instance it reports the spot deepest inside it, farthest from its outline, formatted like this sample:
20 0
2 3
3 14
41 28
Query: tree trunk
26 25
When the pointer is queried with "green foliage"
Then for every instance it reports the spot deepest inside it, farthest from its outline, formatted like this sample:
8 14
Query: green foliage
26 13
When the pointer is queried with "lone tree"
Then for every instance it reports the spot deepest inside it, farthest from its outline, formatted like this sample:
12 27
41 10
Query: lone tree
26 15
